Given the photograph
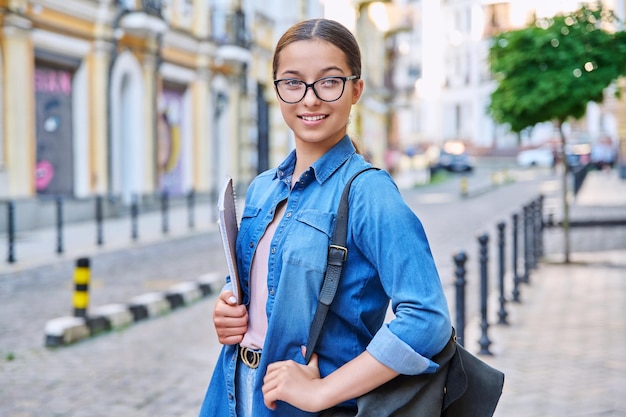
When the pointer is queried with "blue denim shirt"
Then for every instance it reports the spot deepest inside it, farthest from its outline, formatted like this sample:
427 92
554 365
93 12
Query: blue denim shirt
388 259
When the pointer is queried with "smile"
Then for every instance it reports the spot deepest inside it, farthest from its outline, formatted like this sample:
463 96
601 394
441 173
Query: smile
313 118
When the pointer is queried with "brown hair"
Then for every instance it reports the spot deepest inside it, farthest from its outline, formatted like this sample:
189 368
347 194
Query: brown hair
324 29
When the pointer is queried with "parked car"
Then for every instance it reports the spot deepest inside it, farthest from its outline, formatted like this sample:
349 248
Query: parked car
543 156
454 157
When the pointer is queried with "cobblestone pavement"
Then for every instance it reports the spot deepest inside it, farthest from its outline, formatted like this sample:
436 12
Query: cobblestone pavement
563 349
563 353
158 367
161 367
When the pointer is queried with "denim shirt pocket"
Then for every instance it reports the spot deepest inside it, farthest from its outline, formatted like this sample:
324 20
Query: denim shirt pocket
247 218
313 229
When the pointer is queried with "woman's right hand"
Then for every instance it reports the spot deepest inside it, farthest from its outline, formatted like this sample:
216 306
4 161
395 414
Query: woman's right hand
230 319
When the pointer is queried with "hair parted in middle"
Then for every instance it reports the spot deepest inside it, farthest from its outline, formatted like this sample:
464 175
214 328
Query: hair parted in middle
327 30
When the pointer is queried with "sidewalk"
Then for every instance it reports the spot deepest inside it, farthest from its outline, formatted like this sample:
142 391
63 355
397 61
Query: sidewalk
563 351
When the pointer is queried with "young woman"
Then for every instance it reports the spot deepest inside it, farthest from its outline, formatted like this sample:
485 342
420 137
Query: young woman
286 227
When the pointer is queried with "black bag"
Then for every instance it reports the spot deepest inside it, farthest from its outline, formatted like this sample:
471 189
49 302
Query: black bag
463 386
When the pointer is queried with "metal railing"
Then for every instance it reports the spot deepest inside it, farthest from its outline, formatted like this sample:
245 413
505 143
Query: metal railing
228 27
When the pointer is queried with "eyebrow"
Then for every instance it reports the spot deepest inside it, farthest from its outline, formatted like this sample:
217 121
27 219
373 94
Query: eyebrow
323 71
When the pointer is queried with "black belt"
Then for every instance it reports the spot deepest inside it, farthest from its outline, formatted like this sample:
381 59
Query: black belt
250 357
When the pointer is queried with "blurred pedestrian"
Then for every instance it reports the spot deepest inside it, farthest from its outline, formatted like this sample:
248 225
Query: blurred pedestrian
282 250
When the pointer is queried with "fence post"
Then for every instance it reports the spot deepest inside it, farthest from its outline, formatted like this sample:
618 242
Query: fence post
541 225
134 213
190 209
526 234
11 231
533 233
536 231
164 212
502 314
99 217
459 260
484 341
59 206
514 259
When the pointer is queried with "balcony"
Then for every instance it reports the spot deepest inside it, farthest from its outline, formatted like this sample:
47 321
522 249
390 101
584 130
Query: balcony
228 32
229 28
143 20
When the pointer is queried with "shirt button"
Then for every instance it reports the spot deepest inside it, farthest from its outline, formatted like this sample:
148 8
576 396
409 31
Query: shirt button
273 250
272 291
251 244
288 214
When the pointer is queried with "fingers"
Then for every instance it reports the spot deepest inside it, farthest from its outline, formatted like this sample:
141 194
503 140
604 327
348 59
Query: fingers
293 383
228 297
230 319
277 376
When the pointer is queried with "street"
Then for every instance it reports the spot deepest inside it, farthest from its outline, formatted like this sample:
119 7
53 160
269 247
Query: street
161 367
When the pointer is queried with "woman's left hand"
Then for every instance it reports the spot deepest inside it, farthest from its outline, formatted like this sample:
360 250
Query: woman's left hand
293 383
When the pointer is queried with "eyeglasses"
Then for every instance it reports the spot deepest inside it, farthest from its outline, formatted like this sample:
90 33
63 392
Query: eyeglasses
292 90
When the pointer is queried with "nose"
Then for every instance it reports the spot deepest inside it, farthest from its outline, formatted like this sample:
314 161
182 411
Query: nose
310 95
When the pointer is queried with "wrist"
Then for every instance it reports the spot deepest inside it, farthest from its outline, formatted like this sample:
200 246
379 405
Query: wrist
326 397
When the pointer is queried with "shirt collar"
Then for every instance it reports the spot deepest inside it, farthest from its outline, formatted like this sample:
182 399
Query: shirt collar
324 167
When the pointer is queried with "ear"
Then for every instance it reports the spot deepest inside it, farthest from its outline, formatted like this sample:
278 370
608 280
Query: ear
357 90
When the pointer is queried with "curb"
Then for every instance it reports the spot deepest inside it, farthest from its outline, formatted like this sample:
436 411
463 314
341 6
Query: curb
62 331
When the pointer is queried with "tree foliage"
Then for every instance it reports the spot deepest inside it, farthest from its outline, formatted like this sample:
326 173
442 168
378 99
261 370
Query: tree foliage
551 69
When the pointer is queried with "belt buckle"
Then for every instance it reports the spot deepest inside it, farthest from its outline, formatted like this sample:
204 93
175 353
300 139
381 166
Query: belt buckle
250 358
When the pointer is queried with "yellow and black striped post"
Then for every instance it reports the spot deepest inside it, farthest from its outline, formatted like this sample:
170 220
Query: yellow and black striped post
463 186
81 287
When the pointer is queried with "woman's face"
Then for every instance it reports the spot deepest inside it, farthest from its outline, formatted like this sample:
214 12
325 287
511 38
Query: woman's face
313 121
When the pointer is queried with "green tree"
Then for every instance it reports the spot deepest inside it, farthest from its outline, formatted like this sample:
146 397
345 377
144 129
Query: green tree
551 69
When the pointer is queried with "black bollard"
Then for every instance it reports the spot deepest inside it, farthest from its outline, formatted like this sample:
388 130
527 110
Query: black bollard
164 212
82 275
541 225
526 235
514 260
99 217
59 204
459 260
532 213
501 268
190 209
11 231
537 231
134 214
484 341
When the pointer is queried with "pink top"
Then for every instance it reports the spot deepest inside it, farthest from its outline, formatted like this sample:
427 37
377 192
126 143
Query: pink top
257 317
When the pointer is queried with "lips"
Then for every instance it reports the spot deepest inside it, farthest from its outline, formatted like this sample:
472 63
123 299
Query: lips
313 118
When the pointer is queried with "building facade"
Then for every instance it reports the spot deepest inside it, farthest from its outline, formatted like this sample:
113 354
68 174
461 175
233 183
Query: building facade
130 98
134 98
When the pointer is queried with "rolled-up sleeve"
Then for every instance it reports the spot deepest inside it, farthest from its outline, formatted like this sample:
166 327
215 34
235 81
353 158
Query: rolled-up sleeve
392 352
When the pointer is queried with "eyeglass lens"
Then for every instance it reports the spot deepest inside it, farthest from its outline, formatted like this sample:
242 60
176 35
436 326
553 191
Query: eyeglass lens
326 89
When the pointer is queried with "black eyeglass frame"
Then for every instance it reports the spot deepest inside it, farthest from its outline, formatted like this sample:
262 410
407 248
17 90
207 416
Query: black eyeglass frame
312 86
